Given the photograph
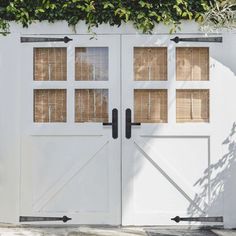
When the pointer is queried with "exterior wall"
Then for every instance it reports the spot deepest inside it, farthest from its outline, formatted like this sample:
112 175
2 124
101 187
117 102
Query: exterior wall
223 115
222 139
223 152
9 128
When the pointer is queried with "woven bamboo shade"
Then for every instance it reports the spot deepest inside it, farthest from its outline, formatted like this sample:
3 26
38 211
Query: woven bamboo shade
150 63
192 63
150 105
50 105
192 105
50 64
91 63
91 105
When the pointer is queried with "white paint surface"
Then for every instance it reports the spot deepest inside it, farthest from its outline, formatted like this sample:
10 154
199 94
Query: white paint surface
73 166
9 128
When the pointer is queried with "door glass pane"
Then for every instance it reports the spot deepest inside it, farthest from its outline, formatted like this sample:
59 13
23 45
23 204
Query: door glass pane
50 64
150 105
50 105
192 63
150 63
91 105
192 105
91 63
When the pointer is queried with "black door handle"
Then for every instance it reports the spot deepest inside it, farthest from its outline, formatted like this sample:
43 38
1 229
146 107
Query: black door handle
114 123
129 124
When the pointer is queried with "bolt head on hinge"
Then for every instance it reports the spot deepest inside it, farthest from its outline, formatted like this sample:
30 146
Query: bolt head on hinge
67 39
175 39
65 219
176 219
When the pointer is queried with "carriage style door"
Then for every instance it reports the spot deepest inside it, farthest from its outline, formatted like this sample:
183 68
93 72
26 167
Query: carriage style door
166 90
116 130
70 153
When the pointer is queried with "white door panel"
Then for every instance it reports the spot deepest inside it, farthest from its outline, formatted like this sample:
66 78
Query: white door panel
164 159
73 168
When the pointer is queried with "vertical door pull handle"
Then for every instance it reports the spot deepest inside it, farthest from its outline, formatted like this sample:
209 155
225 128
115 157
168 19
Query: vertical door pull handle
114 123
129 124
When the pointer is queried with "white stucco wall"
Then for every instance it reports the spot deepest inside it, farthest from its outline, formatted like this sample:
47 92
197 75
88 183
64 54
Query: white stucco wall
9 126
223 114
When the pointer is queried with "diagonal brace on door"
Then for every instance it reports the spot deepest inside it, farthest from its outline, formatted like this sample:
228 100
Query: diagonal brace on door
185 190
64 180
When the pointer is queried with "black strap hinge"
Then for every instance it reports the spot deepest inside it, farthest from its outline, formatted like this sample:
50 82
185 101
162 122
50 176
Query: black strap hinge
201 39
177 219
42 40
41 218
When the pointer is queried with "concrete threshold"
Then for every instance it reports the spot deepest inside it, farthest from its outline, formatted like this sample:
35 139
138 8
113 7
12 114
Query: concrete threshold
73 230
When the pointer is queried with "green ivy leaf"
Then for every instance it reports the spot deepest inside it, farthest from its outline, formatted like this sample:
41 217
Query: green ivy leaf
108 5
144 14
40 10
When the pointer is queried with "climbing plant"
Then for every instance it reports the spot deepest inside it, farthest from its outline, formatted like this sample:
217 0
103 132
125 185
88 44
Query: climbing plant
144 14
220 15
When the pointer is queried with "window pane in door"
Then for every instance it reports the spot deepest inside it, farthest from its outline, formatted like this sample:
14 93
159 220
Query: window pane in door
49 105
150 105
91 105
192 63
91 63
192 105
50 64
150 63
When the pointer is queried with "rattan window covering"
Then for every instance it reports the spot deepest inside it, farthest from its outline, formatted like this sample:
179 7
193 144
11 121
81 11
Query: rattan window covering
91 105
150 105
91 63
50 64
49 105
192 105
192 63
150 63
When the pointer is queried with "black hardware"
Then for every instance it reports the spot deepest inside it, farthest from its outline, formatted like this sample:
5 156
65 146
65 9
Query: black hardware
40 218
129 124
201 39
40 39
177 219
114 123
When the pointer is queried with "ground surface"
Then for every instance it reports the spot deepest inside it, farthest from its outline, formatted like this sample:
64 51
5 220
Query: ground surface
109 231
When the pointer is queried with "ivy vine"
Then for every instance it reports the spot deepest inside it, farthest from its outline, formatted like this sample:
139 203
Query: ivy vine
144 14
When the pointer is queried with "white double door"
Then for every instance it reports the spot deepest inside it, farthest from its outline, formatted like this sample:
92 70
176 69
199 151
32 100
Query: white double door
72 164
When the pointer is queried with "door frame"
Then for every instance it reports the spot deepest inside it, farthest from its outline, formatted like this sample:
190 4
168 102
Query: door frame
141 40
